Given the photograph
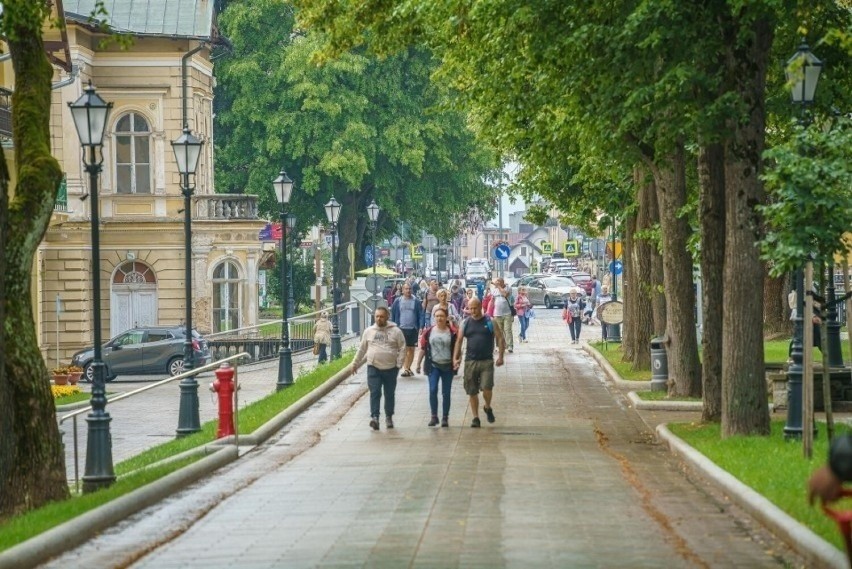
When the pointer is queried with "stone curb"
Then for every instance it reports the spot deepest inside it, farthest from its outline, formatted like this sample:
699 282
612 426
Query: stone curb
275 424
69 534
613 376
817 551
641 404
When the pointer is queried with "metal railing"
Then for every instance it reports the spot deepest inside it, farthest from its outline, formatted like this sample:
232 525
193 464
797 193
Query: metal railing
262 341
211 366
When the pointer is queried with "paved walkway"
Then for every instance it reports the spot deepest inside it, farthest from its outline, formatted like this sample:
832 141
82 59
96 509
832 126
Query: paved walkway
568 476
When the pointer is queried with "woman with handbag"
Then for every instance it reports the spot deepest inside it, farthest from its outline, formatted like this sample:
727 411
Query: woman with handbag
322 337
573 313
436 345
523 306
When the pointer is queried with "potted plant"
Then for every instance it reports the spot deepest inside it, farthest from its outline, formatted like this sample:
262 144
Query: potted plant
74 374
60 375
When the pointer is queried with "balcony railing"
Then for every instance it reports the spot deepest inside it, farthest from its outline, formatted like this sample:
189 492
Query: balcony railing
225 206
5 113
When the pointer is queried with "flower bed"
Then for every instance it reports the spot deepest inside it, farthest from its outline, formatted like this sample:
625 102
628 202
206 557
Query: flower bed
64 390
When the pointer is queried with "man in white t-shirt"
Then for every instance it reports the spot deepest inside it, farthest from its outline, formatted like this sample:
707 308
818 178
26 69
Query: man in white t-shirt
502 313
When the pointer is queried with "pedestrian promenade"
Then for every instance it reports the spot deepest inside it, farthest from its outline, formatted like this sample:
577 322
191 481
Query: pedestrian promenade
567 476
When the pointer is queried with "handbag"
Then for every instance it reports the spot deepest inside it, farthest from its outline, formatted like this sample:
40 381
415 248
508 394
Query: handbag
316 349
530 313
512 310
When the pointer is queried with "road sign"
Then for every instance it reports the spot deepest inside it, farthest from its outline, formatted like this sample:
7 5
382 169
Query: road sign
572 248
376 302
502 251
374 284
616 267
306 244
369 255
546 248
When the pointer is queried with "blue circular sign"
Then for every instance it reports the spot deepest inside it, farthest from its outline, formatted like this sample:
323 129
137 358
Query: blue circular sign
369 255
502 251
616 267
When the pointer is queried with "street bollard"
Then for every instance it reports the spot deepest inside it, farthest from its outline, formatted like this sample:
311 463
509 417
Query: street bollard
224 387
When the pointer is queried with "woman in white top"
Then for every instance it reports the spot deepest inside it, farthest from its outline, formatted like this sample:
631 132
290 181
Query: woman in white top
443 303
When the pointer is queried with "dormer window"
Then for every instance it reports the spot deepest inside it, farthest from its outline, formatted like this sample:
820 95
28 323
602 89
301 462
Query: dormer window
132 155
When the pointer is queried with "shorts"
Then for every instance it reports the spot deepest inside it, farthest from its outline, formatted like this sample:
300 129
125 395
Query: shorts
478 376
410 336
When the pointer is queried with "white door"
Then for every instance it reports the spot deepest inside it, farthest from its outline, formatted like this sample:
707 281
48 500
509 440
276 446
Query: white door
132 308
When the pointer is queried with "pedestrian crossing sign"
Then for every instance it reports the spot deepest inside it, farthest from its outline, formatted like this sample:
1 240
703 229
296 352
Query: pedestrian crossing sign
546 248
572 248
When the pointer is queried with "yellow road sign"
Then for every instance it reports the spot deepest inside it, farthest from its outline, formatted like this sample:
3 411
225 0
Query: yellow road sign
546 248
572 248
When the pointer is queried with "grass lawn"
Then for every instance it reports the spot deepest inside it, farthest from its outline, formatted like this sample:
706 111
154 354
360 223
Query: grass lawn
662 396
21 528
132 474
775 351
772 466
613 353
75 398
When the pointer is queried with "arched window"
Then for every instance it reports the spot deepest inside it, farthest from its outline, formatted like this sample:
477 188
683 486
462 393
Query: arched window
226 297
132 155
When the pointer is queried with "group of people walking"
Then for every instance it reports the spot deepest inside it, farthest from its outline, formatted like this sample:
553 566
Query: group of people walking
442 331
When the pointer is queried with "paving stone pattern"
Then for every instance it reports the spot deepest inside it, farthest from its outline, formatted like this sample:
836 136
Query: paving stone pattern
568 476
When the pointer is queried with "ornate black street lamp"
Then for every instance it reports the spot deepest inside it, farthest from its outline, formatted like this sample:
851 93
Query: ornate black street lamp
291 301
373 213
283 189
332 212
802 71
187 149
90 114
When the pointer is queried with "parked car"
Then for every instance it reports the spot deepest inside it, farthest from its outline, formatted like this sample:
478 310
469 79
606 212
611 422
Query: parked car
150 350
549 291
583 280
525 280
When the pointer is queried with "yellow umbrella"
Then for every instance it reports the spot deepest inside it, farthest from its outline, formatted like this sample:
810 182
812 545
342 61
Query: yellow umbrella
385 272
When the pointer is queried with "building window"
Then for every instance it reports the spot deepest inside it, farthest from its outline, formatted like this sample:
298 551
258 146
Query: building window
226 297
132 155
523 251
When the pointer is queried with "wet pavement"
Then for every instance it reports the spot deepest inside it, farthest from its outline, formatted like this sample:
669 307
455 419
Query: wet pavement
568 476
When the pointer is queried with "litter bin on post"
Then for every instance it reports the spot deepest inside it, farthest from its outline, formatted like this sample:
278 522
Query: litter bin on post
659 365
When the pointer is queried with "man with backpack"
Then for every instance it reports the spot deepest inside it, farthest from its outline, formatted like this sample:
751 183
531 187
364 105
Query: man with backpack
481 334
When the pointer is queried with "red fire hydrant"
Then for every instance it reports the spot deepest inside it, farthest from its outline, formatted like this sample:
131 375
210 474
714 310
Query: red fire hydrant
224 386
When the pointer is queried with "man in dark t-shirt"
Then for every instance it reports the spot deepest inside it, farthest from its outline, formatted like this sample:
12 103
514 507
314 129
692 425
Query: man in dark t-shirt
481 334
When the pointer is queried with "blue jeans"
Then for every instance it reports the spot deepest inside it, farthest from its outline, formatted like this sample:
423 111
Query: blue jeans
446 378
525 323
379 380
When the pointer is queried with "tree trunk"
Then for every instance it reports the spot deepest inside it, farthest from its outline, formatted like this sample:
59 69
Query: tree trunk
711 177
744 407
776 314
658 297
642 268
33 460
684 367
628 332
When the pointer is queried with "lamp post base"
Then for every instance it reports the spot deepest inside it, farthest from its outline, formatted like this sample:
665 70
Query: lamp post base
188 420
793 427
99 472
335 346
285 369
